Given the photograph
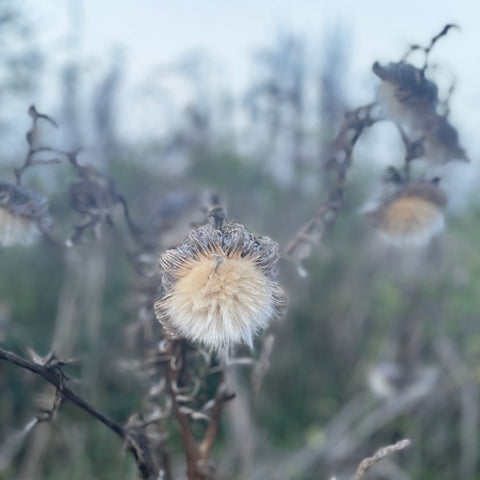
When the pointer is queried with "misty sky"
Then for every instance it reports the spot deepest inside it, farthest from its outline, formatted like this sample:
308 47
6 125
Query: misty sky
156 32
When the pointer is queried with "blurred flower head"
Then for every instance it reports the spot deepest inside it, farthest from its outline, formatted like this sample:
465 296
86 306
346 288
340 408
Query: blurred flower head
23 215
389 379
440 141
410 100
412 215
405 94
220 287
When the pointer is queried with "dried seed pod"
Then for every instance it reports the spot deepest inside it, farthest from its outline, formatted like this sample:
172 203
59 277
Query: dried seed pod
412 216
440 141
410 100
220 287
23 215
405 94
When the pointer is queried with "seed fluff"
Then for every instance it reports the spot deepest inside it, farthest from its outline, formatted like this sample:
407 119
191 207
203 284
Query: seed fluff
220 287
411 217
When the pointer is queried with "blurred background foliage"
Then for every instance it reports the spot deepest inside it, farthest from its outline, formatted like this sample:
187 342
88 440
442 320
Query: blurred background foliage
362 308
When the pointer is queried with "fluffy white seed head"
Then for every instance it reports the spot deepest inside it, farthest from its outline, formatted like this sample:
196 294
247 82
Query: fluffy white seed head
412 217
220 287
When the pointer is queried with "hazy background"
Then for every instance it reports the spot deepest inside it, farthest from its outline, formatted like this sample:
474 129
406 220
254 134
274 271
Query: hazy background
177 100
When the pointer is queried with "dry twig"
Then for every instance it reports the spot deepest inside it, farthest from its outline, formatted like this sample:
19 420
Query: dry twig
369 462
50 368
354 123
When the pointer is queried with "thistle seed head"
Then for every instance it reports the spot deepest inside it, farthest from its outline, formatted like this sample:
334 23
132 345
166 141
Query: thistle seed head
405 95
412 216
220 287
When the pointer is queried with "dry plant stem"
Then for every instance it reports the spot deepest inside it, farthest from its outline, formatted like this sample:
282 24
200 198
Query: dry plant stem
413 150
197 455
211 433
352 127
55 376
32 149
263 363
369 462
132 257
51 371
192 453
429 48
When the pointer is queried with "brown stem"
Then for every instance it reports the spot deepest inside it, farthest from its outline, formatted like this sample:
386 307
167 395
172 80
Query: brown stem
51 371
197 455
211 433
192 453
32 149
57 378
355 122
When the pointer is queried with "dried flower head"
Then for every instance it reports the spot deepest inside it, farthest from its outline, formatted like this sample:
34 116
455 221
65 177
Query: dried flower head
440 141
405 94
23 215
390 379
412 216
220 287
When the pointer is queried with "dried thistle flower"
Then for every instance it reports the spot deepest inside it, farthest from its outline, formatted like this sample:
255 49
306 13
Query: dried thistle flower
412 215
405 94
23 215
440 141
220 287
410 100
389 379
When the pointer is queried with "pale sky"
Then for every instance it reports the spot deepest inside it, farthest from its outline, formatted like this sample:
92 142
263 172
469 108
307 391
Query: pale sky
155 32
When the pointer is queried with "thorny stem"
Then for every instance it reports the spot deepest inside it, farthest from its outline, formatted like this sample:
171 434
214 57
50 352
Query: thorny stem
55 376
353 126
51 371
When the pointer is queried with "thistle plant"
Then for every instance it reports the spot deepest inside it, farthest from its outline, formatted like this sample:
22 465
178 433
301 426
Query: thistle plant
216 292
410 211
